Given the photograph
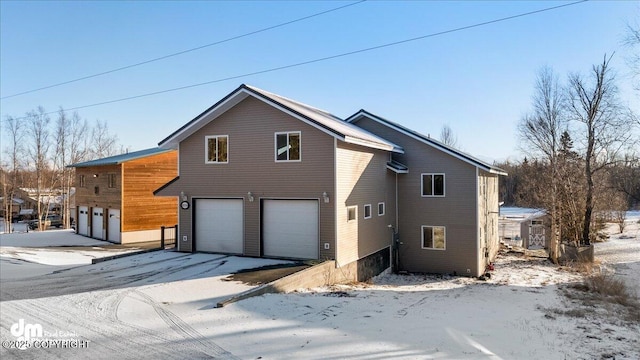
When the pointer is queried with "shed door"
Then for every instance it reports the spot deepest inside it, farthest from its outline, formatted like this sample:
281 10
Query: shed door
83 220
219 225
113 226
290 228
97 223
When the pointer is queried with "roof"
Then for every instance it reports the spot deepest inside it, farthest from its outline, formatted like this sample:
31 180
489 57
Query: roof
119 159
397 167
429 141
320 119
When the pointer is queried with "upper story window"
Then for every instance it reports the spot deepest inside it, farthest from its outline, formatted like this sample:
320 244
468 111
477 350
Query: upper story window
352 213
216 149
380 208
367 211
432 184
112 180
288 146
81 182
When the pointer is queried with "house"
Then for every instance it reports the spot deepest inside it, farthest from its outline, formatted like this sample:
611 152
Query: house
264 175
448 203
114 196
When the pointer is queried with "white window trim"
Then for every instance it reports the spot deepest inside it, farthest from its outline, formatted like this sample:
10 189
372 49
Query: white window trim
444 184
384 208
275 145
355 218
206 149
422 237
364 211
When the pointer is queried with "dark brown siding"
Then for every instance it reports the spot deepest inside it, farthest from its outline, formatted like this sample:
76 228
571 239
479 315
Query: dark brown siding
141 210
457 211
250 126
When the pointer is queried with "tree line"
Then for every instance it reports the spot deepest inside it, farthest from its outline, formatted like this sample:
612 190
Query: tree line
582 154
38 150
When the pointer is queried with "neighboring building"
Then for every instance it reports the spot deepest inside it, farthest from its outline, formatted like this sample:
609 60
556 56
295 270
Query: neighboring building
114 196
263 175
536 231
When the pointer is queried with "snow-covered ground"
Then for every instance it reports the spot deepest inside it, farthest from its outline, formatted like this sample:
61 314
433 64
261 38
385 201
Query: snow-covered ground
161 305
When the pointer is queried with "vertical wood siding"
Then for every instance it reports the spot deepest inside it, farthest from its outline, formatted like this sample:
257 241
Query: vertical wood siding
250 126
362 178
457 211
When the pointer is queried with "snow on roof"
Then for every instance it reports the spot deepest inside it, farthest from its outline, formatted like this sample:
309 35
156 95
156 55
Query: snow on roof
119 159
315 117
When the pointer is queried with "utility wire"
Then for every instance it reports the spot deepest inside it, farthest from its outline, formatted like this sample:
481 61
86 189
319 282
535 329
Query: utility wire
326 57
184 51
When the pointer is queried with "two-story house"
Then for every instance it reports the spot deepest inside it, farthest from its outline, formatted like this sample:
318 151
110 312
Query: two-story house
263 175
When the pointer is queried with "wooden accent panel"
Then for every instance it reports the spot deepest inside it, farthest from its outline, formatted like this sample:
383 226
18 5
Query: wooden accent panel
141 210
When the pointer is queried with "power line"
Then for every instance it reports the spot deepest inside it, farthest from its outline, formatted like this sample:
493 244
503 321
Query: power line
326 57
184 51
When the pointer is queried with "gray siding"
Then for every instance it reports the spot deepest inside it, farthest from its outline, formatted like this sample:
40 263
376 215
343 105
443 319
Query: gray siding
457 211
250 126
361 179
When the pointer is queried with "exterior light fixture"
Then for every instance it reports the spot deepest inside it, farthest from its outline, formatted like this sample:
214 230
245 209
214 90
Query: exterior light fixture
250 196
325 197
183 196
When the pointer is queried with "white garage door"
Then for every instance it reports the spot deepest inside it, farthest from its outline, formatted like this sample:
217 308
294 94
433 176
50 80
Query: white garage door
113 226
83 220
219 225
290 228
97 223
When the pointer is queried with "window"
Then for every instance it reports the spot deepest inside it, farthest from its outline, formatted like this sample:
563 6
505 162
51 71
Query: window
433 237
112 180
81 181
216 151
288 146
367 211
432 184
352 213
380 209
96 190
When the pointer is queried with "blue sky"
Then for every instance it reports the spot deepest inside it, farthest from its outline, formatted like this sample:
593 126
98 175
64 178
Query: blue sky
477 81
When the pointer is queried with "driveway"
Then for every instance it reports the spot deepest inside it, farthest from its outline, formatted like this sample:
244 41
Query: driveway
132 305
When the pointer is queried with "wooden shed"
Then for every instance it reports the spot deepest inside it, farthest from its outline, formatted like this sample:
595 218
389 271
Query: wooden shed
114 196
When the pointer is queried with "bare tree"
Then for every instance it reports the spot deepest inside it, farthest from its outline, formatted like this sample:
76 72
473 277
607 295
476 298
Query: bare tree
632 41
38 131
447 136
604 129
104 143
540 133
15 131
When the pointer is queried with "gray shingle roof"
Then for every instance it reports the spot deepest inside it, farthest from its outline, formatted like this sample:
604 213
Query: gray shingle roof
119 159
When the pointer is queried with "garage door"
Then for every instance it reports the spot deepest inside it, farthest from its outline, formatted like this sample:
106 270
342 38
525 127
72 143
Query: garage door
219 225
97 223
83 220
113 226
290 228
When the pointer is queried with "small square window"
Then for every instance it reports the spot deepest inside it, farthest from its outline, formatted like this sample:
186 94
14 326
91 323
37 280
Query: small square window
288 146
432 185
380 209
352 213
367 211
216 151
433 237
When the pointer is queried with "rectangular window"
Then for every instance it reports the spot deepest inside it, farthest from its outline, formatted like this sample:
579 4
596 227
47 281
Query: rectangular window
432 184
81 181
288 146
433 237
367 211
112 180
380 209
352 213
216 151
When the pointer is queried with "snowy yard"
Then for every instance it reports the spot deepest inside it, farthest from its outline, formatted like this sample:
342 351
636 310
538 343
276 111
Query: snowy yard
162 305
